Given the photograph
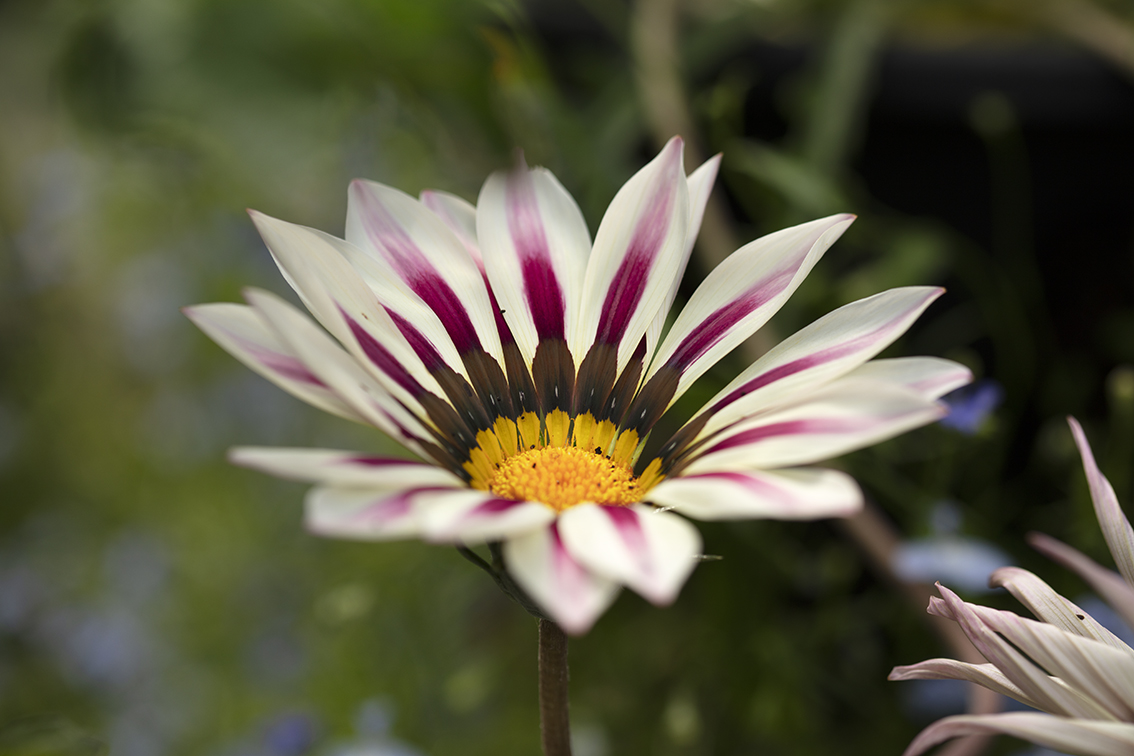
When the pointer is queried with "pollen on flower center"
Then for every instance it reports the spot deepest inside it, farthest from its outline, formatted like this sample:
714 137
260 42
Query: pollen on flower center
562 477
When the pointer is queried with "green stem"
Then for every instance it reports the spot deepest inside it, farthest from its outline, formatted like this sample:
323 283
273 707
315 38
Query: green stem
554 720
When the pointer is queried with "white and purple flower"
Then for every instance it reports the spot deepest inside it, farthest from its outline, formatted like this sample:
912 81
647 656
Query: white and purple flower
1077 673
527 365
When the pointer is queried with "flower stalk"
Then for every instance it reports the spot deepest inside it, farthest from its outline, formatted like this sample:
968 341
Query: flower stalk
554 718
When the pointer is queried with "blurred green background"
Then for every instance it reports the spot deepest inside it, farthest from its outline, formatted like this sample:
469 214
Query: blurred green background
154 600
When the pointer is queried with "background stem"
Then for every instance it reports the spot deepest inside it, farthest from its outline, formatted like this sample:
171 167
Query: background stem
553 715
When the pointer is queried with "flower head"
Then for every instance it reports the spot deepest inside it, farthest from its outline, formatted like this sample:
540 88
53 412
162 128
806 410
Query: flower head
526 366
1064 663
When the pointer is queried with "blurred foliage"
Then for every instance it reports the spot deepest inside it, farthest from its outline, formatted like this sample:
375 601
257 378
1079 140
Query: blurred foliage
156 600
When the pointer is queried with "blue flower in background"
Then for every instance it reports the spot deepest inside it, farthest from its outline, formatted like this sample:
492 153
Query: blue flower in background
948 556
969 407
291 734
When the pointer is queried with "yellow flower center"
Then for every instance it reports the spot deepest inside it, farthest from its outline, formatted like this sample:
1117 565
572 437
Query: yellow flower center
560 461
562 477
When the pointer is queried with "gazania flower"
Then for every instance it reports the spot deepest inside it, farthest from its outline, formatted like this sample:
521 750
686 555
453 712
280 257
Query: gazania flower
526 365
1065 664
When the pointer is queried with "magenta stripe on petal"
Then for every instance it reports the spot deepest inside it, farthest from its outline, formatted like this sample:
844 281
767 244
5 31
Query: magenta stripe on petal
386 510
379 461
436 293
288 367
393 507
715 327
798 366
755 485
421 346
502 328
629 282
566 569
491 507
788 428
783 371
541 287
629 529
545 299
419 273
382 358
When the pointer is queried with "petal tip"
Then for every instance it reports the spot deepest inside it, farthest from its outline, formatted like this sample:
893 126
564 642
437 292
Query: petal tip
239 456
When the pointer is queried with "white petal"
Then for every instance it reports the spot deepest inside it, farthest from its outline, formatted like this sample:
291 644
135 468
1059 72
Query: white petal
535 245
638 250
986 675
843 416
1115 527
1107 583
653 552
337 369
798 494
1050 607
1102 674
700 183
1047 693
243 334
472 517
570 594
410 313
335 294
412 243
458 214
741 294
829 348
1075 736
361 513
931 377
343 468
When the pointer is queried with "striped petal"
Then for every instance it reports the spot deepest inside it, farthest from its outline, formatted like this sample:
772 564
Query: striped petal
930 377
1050 607
458 215
651 551
346 306
570 594
796 494
1073 736
535 245
734 301
472 517
243 334
986 675
314 264
418 323
414 245
830 347
638 249
362 513
700 184
338 370
1115 527
844 416
343 468
1107 583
